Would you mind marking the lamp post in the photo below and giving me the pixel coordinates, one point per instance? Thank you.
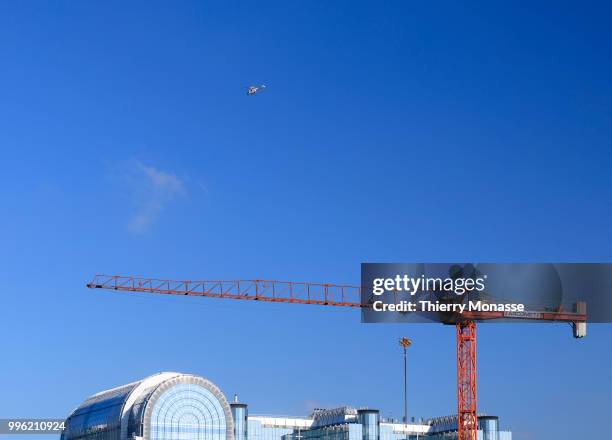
(405, 343)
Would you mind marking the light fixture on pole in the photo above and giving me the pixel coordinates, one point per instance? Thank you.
(405, 343)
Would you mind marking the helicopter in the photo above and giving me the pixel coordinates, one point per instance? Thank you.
(251, 90)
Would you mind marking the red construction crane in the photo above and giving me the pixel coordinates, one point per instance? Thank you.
(346, 296)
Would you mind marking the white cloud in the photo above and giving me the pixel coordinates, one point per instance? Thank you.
(152, 190)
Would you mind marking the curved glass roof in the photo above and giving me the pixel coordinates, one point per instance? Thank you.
(182, 406)
(100, 413)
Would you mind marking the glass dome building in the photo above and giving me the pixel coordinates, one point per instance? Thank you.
(163, 406)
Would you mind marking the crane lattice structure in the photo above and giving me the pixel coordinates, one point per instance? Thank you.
(345, 296)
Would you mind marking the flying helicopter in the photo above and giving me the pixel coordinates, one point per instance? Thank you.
(251, 90)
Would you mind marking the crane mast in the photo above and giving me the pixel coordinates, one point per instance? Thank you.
(467, 422)
(342, 296)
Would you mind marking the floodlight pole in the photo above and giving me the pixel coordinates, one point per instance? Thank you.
(405, 343)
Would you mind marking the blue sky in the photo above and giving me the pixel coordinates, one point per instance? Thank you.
(409, 132)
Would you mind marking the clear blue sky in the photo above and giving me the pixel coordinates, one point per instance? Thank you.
(406, 132)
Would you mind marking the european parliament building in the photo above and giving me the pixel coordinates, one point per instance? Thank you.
(175, 406)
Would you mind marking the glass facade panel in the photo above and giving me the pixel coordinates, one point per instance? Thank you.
(240, 415)
(370, 421)
(99, 417)
(187, 412)
(489, 427)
